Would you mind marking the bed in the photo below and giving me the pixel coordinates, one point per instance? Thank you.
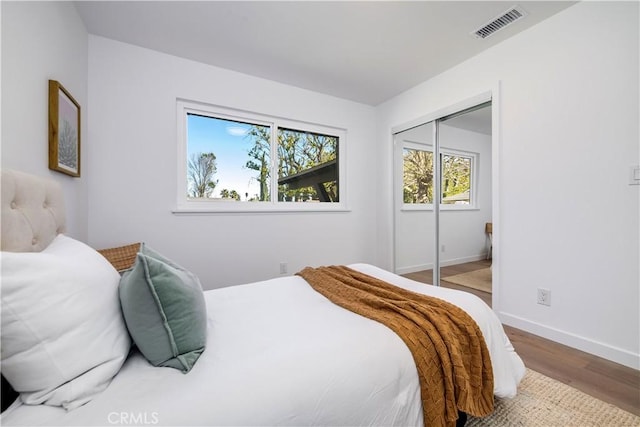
(277, 352)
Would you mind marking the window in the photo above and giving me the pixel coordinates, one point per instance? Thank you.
(456, 178)
(238, 161)
(417, 175)
(307, 166)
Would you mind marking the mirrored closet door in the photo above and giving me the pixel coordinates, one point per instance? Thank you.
(442, 206)
(414, 194)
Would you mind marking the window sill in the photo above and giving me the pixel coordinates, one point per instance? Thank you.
(443, 208)
(250, 208)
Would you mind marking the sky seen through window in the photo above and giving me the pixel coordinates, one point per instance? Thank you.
(228, 140)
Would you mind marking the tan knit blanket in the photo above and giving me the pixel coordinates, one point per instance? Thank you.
(448, 348)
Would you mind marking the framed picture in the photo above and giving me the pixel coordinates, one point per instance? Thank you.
(64, 131)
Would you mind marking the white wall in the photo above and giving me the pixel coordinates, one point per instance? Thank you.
(133, 166)
(42, 41)
(568, 220)
(461, 231)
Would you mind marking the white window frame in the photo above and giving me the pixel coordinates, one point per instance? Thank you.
(188, 205)
(473, 190)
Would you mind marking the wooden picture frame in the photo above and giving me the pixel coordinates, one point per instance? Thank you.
(64, 131)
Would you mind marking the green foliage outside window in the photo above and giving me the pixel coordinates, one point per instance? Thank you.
(417, 176)
(298, 151)
(307, 168)
(456, 179)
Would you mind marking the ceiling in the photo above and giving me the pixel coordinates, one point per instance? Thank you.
(365, 51)
(476, 121)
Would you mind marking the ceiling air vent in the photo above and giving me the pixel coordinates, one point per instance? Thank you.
(507, 18)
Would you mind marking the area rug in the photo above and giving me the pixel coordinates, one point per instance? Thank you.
(545, 402)
(477, 279)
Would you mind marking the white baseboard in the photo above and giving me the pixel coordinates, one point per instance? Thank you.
(606, 351)
(443, 263)
(454, 261)
(414, 268)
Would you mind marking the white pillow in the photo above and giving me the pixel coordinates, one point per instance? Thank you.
(63, 335)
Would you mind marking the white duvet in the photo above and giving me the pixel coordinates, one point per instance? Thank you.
(279, 353)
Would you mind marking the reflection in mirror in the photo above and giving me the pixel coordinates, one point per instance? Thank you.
(465, 145)
(414, 216)
(463, 249)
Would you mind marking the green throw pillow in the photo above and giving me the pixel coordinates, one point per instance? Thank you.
(164, 310)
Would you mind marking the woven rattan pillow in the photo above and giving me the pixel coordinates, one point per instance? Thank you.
(122, 257)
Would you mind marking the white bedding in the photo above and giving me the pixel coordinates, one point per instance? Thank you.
(279, 353)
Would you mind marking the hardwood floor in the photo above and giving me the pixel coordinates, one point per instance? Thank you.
(605, 380)
(426, 276)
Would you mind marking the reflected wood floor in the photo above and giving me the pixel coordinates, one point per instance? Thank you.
(603, 379)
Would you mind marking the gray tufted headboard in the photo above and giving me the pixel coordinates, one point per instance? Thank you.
(32, 212)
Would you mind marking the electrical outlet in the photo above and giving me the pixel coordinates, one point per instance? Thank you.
(634, 175)
(283, 268)
(544, 296)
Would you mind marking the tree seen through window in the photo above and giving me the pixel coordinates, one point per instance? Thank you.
(306, 169)
(417, 177)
